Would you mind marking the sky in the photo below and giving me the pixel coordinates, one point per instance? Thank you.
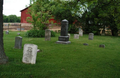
(13, 7)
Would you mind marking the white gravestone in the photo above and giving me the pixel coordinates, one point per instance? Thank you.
(69, 35)
(91, 36)
(76, 36)
(47, 35)
(29, 53)
(80, 32)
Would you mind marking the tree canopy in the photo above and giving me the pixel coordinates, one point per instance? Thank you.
(103, 14)
(11, 18)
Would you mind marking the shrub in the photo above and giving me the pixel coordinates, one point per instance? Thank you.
(52, 34)
(72, 29)
(37, 33)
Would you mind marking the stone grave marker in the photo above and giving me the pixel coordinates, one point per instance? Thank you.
(18, 42)
(68, 35)
(29, 53)
(80, 32)
(47, 35)
(86, 44)
(91, 36)
(7, 32)
(76, 36)
(102, 45)
(64, 38)
(18, 33)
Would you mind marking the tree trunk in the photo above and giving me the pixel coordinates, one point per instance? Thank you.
(3, 57)
(114, 32)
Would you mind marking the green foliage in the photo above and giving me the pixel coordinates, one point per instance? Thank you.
(41, 13)
(72, 29)
(103, 14)
(37, 33)
(11, 18)
(53, 34)
(63, 12)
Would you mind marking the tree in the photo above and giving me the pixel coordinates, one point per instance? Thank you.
(41, 13)
(42, 10)
(71, 10)
(11, 18)
(103, 14)
(3, 57)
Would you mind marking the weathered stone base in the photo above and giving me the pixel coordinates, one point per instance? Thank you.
(90, 38)
(63, 42)
(63, 38)
(3, 60)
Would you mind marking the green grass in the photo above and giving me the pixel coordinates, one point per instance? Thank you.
(64, 61)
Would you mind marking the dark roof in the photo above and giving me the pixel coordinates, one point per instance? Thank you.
(25, 8)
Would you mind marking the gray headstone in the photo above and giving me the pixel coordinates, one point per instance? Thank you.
(76, 36)
(85, 44)
(80, 32)
(18, 33)
(18, 42)
(47, 35)
(64, 38)
(29, 53)
(91, 36)
(7, 32)
(102, 46)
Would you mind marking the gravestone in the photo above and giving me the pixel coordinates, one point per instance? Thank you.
(47, 35)
(18, 33)
(86, 44)
(18, 42)
(64, 38)
(102, 45)
(80, 32)
(91, 36)
(69, 35)
(7, 32)
(29, 53)
(76, 36)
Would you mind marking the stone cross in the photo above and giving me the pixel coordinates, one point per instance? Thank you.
(91, 36)
(47, 35)
(64, 38)
(29, 53)
(76, 36)
(18, 42)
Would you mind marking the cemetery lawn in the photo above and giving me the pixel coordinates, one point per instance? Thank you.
(73, 60)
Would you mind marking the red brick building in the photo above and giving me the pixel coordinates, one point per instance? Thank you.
(24, 15)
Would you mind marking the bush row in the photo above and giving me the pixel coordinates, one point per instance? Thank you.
(38, 33)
